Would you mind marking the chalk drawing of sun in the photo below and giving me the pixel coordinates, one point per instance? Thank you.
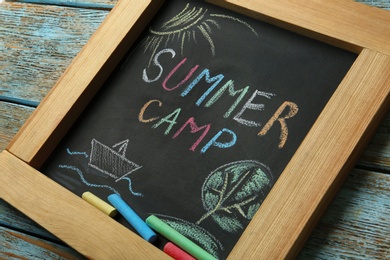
(187, 26)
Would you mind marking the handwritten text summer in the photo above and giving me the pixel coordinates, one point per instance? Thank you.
(216, 88)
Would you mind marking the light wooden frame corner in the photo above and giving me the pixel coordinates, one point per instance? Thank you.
(305, 187)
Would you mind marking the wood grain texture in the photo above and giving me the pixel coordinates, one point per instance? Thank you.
(12, 117)
(357, 223)
(12, 218)
(384, 4)
(17, 69)
(76, 3)
(17, 245)
(37, 44)
(377, 154)
(345, 24)
(320, 164)
(33, 60)
(81, 80)
(342, 232)
(70, 218)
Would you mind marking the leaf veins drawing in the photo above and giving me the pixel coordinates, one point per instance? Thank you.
(187, 26)
(232, 192)
(231, 196)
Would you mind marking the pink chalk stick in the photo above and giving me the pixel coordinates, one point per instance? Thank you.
(176, 252)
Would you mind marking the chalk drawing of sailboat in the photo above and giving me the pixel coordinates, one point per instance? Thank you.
(111, 162)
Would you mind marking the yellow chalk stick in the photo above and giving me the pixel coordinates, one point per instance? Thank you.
(99, 204)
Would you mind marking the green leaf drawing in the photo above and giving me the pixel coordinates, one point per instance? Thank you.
(195, 233)
(232, 194)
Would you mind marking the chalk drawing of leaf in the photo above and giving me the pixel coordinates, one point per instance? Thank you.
(233, 193)
(195, 233)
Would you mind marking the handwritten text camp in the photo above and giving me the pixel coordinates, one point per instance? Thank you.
(285, 111)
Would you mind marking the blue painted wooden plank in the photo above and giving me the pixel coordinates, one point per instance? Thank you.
(353, 226)
(107, 4)
(385, 4)
(16, 245)
(357, 223)
(37, 44)
(19, 101)
(44, 38)
(13, 219)
(377, 154)
(12, 117)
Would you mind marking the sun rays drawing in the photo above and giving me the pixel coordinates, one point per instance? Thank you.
(188, 25)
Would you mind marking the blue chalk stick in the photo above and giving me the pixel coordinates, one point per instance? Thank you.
(135, 221)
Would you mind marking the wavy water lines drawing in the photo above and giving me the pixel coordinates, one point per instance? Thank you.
(82, 178)
(188, 25)
(138, 194)
(76, 153)
(108, 161)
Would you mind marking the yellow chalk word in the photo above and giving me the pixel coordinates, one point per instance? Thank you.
(99, 204)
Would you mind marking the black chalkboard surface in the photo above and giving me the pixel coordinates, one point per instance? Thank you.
(200, 119)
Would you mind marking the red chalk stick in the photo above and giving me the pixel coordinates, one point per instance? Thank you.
(176, 252)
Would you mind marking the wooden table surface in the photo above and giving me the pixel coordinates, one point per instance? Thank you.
(39, 39)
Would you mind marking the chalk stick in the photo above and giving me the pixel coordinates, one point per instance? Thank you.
(177, 238)
(176, 252)
(135, 221)
(99, 204)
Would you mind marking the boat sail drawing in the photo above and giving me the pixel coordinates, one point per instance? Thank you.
(111, 162)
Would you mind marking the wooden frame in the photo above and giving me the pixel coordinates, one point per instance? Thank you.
(300, 195)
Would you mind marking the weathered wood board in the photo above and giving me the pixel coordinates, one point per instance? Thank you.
(19, 79)
(18, 245)
(12, 118)
(47, 40)
(385, 4)
(76, 3)
(12, 218)
(377, 154)
(110, 3)
(355, 225)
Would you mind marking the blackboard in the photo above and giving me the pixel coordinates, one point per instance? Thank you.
(165, 133)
